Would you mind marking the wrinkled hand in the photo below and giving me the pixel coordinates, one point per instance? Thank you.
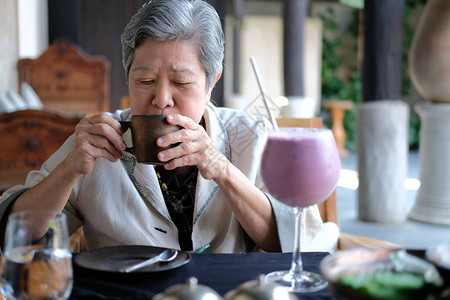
(95, 136)
(195, 149)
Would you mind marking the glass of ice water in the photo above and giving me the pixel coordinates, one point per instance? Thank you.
(37, 263)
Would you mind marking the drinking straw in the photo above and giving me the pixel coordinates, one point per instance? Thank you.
(263, 93)
(201, 249)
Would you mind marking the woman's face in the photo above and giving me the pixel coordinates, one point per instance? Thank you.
(167, 78)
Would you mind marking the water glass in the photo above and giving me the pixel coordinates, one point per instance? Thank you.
(37, 260)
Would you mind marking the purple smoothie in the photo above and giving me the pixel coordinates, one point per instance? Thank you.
(300, 166)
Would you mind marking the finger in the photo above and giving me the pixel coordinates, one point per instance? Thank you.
(187, 160)
(183, 149)
(211, 166)
(190, 131)
(90, 152)
(98, 142)
(103, 130)
(111, 156)
(200, 153)
(183, 121)
(106, 119)
(181, 136)
(105, 145)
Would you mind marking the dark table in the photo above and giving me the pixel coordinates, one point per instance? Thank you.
(221, 272)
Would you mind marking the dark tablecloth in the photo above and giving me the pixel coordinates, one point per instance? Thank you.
(221, 272)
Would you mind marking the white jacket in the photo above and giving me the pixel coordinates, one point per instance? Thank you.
(121, 203)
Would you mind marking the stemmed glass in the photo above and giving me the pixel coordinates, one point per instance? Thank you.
(300, 167)
(37, 260)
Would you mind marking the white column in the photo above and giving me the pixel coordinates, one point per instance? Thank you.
(433, 197)
(262, 38)
(382, 134)
(33, 27)
(8, 45)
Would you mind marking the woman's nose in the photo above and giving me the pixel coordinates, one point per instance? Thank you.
(162, 97)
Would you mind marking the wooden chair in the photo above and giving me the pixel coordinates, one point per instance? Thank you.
(77, 241)
(29, 137)
(328, 208)
(124, 102)
(67, 79)
(337, 109)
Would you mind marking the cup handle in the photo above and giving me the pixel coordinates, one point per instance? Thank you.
(126, 126)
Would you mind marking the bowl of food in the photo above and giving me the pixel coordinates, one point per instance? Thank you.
(364, 273)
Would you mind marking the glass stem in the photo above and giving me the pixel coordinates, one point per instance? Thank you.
(297, 265)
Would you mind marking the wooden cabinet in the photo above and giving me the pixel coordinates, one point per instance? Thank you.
(27, 139)
(70, 84)
(67, 79)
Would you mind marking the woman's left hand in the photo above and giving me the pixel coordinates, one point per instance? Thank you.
(251, 207)
(195, 149)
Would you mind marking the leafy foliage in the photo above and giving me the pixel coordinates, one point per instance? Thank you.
(335, 86)
(408, 33)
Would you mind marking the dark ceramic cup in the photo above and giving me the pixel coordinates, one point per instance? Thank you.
(145, 130)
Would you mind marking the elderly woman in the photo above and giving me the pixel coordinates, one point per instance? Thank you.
(207, 193)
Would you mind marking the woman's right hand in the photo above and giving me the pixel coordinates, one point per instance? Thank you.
(96, 136)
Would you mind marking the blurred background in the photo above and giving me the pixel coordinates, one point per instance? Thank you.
(333, 47)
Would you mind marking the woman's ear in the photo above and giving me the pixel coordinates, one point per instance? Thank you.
(212, 86)
(218, 77)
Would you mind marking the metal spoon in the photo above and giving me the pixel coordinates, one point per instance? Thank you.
(165, 256)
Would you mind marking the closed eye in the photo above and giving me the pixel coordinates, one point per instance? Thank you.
(146, 82)
(181, 83)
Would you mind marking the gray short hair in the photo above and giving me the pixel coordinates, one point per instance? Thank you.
(166, 20)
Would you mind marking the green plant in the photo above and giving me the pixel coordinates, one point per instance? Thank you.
(350, 87)
(408, 34)
(333, 86)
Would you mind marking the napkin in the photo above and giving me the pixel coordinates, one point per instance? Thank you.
(326, 240)
(5, 104)
(11, 101)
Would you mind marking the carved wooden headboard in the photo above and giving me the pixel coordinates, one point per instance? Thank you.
(67, 79)
(28, 138)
